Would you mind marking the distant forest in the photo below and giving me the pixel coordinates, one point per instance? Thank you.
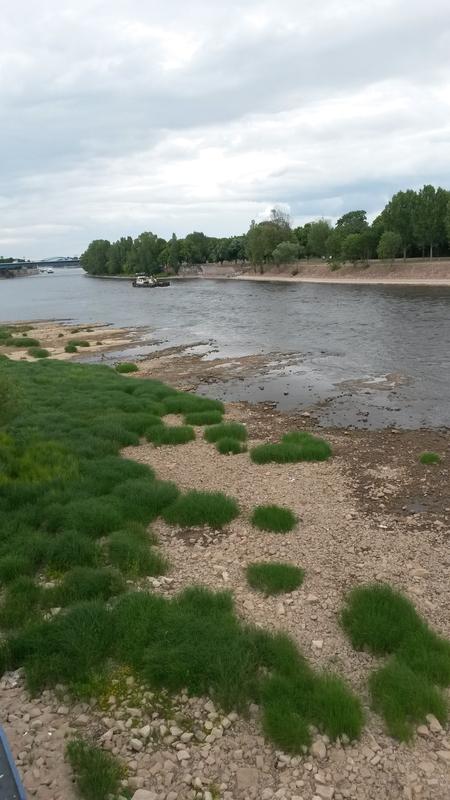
(412, 224)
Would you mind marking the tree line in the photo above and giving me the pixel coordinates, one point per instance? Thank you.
(413, 223)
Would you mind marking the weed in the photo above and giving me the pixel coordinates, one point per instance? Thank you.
(97, 773)
(274, 519)
(430, 458)
(177, 434)
(226, 430)
(202, 508)
(274, 578)
(38, 352)
(126, 366)
(203, 417)
(230, 446)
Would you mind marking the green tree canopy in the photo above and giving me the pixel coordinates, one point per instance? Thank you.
(317, 237)
(389, 245)
(285, 252)
(95, 259)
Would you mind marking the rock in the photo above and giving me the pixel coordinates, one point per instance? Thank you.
(317, 644)
(324, 792)
(422, 730)
(183, 755)
(434, 724)
(246, 777)
(318, 750)
(144, 794)
(136, 744)
(312, 598)
(444, 755)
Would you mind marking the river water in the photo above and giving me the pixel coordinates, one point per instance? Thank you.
(370, 356)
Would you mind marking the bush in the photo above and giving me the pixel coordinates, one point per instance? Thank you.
(177, 434)
(274, 519)
(80, 342)
(22, 341)
(296, 446)
(230, 446)
(71, 348)
(97, 774)
(202, 508)
(203, 417)
(86, 583)
(430, 458)
(134, 556)
(38, 352)
(126, 366)
(274, 578)
(226, 430)
(404, 698)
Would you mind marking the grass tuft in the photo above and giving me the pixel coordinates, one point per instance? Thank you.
(274, 519)
(226, 430)
(133, 555)
(71, 348)
(274, 578)
(229, 446)
(176, 434)
(202, 508)
(430, 458)
(184, 403)
(38, 352)
(97, 774)
(80, 342)
(86, 583)
(22, 341)
(126, 366)
(296, 446)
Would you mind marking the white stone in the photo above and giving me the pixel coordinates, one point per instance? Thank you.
(246, 777)
(183, 755)
(144, 794)
(325, 792)
(317, 644)
(444, 755)
(434, 724)
(136, 744)
(318, 749)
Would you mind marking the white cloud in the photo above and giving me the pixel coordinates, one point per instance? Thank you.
(124, 116)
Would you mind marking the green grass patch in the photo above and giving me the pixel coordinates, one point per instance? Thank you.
(294, 447)
(97, 773)
(71, 348)
(385, 622)
(229, 447)
(226, 430)
(145, 500)
(202, 508)
(404, 698)
(20, 603)
(38, 352)
(126, 366)
(184, 403)
(133, 554)
(80, 342)
(163, 434)
(430, 458)
(203, 417)
(274, 578)
(274, 518)
(22, 341)
(85, 583)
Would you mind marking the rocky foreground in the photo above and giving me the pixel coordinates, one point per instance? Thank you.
(186, 749)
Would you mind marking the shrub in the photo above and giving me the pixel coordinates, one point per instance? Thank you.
(203, 417)
(71, 348)
(133, 556)
(274, 578)
(80, 342)
(296, 446)
(274, 519)
(404, 698)
(38, 352)
(230, 446)
(177, 434)
(126, 366)
(430, 458)
(86, 583)
(226, 430)
(22, 341)
(202, 508)
(97, 774)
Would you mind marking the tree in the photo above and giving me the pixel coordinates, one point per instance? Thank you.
(429, 218)
(317, 236)
(352, 222)
(285, 252)
(389, 245)
(399, 215)
(146, 254)
(173, 254)
(196, 248)
(353, 247)
(95, 258)
(263, 238)
(118, 254)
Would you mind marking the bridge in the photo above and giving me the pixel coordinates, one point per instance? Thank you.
(55, 263)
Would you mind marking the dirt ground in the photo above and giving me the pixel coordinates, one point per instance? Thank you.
(54, 336)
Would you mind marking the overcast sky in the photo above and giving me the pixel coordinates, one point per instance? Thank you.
(130, 115)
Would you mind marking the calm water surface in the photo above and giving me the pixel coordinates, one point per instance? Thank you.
(373, 356)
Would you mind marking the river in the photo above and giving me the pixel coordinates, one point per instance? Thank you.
(370, 356)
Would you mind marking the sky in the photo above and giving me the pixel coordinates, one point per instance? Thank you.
(130, 115)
